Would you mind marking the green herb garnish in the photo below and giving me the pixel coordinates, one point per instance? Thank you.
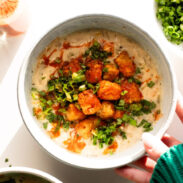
(138, 71)
(146, 125)
(124, 92)
(45, 125)
(150, 84)
(96, 52)
(105, 69)
(122, 133)
(147, 106)
(57, 60)
(170, 14)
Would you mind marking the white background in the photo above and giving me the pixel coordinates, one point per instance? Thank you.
(16, 143)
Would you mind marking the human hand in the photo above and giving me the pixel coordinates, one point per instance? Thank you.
(154, 147)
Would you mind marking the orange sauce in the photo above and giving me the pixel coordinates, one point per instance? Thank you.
(111, 149)
(75, 144)
(54, 132)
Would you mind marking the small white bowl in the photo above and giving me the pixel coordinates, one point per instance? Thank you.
(176, 49)
(101, 22)
(13, 171)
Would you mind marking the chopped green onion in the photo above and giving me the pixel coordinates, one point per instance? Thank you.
(45, 125)
(57, 60)
(150, 84)
(138, 71)
(82, 88)
(124, 92)
(105, 69)
(78, 77)
(75, 97)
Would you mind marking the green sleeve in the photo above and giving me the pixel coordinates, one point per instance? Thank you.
(169, 167)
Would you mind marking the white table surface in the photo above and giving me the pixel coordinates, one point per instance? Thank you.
(16, 143)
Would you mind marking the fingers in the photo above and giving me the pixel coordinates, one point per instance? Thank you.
(169, 140)
(179, 107)
(145, 163)
(134, 174)
(153, 146)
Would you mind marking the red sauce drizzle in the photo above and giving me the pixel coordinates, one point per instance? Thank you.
(47, 58)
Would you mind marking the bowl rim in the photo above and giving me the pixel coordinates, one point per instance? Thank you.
(31, 171)
(83, 164)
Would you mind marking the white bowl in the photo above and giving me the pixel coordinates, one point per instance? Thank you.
(176, 49)
(114, 24)
(13, 171)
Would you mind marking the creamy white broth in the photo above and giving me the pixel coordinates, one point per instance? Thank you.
(141, 59)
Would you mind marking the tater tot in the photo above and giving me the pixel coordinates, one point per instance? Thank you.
(94, 73)
(111, 73)
(125, 64)
(73, 113)
(72, 66)
(118, 114)
(107, 110)
(133, 94)
(89, 102)
(109, 90)
(84, 128)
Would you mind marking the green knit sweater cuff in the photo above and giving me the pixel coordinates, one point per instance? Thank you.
(169, 167)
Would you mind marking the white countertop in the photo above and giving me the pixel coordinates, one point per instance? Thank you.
(15, 141)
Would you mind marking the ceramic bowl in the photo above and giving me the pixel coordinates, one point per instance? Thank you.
(23, 172)
(97, 21)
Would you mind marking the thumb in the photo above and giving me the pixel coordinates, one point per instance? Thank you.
(153, 146)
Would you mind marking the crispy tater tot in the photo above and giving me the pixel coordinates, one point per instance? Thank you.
(118, 114)
(94, 73)
(109, 90)
(111, 72)
(107, 110)
(73, 113)
(125, 64)
(84, 128)
(89, 102)
(133, 94)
